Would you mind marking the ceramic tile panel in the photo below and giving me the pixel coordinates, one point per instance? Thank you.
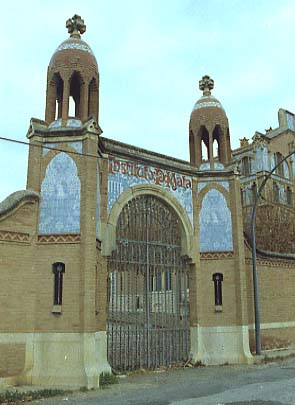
(81, 46)
(208, 104)
(75, 145)
(215, 223)
(206, 166)
(202, 184)
(125, 174)
(60, 197)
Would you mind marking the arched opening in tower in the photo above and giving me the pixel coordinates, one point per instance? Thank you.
(59, 87)
(75, 95)
(204, 135)
(217, 143)
(215, 149)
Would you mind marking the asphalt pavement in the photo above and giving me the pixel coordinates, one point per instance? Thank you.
(264, 384)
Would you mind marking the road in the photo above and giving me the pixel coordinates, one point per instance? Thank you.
(266, 384)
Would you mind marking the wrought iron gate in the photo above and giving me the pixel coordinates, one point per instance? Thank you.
(148, 292)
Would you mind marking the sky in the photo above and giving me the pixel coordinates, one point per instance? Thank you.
(151, 55)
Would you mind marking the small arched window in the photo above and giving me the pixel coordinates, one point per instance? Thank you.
(58, 270)
(217, 278)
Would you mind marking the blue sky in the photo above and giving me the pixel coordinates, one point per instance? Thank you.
(151, 56)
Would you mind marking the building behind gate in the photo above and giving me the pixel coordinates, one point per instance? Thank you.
(116, 257)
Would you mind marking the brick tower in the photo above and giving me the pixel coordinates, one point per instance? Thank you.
(208, 123)
(63, 168)
(72, 72)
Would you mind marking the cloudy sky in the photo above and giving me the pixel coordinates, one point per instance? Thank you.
(151, 55)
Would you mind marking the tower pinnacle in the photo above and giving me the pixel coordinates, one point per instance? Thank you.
(206, 84)
(76, 26)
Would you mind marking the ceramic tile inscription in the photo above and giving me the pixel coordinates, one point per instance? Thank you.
(124, 174)
(60, 197)
(215, 223)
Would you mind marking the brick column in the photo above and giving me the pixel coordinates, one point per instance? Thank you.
(65, 101)
(50, 101)
(84, 101)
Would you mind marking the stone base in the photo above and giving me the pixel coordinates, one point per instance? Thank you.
(220, 345)
(63, 359)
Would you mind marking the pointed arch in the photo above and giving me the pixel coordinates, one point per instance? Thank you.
(76, 82)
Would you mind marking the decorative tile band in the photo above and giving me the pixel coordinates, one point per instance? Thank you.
(9, 236)
(216, 255)
(206, 166)
(208, 104)
(81, 47)
(66, 238)
(271, 263)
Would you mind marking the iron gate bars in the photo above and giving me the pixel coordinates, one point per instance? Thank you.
(148, 291)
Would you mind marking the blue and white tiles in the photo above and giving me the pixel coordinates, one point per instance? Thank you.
(60, 197)
(215, 223)
(124, 174)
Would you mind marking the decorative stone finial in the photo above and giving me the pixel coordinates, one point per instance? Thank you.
(206, 84)
(74, 25)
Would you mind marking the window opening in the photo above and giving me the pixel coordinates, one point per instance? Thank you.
(72, 107)
(168, 284)
(204, 151)
(217, 279)
(215, 149)
(58, 270)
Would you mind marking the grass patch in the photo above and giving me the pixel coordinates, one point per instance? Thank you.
(18, 396)
(107, 379)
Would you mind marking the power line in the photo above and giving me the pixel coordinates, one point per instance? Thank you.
(48, 147)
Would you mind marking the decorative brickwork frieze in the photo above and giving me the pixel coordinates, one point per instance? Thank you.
(272, 263)
(65, 238)
(9, 236)
(216, 255)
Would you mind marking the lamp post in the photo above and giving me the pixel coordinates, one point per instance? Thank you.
(253, 238)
